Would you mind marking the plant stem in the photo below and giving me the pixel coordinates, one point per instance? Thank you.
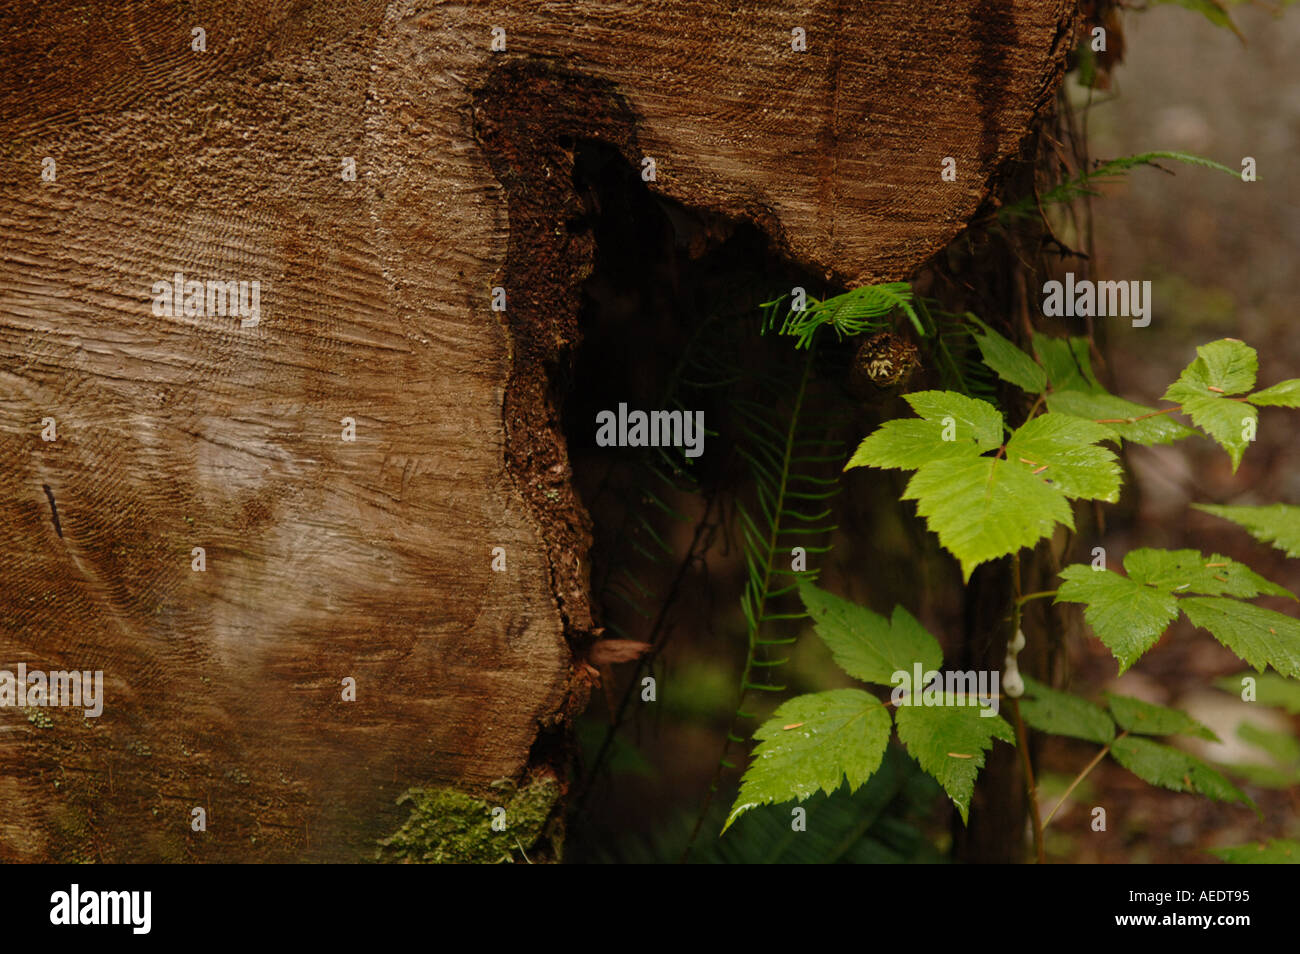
(1080, 777)
(1022, 737)
(1022, 743)
(1140, 417)
(1022, 600)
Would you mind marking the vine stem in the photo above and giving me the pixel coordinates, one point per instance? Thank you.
(1153, 413)
(1082, 775)
(1022, 600)
(1140, 417)
(1022, 743)
(1143, 417)
(1022, 737)
(658, 637)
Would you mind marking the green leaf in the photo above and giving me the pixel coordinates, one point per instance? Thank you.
(986, 507)
(1173, 769)
(908, 444)
(1086, 182)
(1282, 767)
(1228, 364)
(1212, 10)
(1278, 524)
(1126, 616)
(1060, 713)
(833, 736)
(1282, 394)
(1067, 448)
(1282, 747)
(949, 741)
(1260, 636)
(1277, 851)
(1190, 571)
(1227, 421)
(1222, 368)
(1068, 365)
(1009, 362)
(976, 420)
(866, 645)
(1270, 689)
(1146, 718)
(1119, 415)
(983, 508)
(972, 426)
(856, 311)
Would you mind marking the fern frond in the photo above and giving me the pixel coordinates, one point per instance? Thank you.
(852, 313)
(1084, 184)
(784, 452)
(954, 353)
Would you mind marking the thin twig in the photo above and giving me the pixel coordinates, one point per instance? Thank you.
(1080, 777)
(1022, 743)
(1022, 600)
(1022, 737)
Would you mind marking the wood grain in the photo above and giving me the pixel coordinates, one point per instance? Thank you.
(371, 559)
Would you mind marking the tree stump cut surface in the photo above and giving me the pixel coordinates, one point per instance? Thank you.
(371, 559)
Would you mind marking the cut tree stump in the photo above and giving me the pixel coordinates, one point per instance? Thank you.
(129, 154)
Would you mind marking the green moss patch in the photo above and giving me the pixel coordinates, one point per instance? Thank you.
(450, 827)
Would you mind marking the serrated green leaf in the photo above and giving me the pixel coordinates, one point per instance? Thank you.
(1282, 394)
(975, 420)
(1222, 369)
(976, 426)
(1060, 713)
(1227, 364)
(1270, 689)
(907, 444)
(1009, 362)
(1065, 449)
(865, 644)
(949, 742)
(1278, 525)
(1190, 571)
(1277, 851)
(1126, 616)
(1227, 421)
(983, 508)
(831, 736)
(1173, 769)
(986, 507)
(1260, 636)
(1147, 718)
(1067, 362)
(1118, 415)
